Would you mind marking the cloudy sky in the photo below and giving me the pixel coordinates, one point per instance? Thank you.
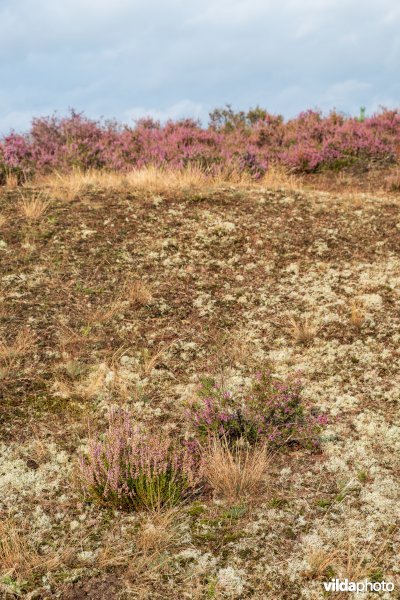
(176, 58)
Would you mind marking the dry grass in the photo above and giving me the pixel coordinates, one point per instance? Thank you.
(141, 546)
(355, 563)
(157, 180)
(67, 187)
(392, 181)
(12, 352)
(157, 530)
(106, 313)
(87, 388)
(134, 294)
(73, 342)
(137, 293)
(302, 330)
(148, 360)
(150, 179)
(347, 559)
(18, 558)
(319, 560)
(15, 554)
(33, 208)
(357, 313)
(78, 380)
(3, 310)
(11, 181)
(3, 220)
(237, 346)
(277, 177)
(235, 474)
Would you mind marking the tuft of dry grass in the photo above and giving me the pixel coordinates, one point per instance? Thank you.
(357, 313)
(157, 530)
(302, 330)
(134, 293)
(319, 560)
(235, 474)
(106, 313)
(278, 177)
(86, 388)
(67, 187)
(12, 352)
(3, 310)
(3, 220)
(355, 563)
(148, 360)
(137, 293)
(11, 181)
(238, 346)
(33, 208)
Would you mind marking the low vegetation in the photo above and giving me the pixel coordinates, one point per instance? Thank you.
(234, 142)
(199, 366)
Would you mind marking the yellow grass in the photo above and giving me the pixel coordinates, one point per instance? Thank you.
(357, 313)
(147, 179)
(137, 293)
(153, 180)
(12, 352)
(348, 559)
(87, 388)
(278, 177)
(133, 293)
(33, 208)
(11, 181)
(15, 554)
(103, 314)
(3, 310)
(319, 560)
(302, 329)
(18, 558)
(235, 474)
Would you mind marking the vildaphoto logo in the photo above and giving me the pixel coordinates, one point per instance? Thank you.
(344, 585)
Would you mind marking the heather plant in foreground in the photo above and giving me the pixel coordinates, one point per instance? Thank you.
(132, 469)
(271, 411)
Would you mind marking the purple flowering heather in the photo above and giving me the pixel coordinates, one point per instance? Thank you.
(249, 143)
(131, 469)
(272, 410)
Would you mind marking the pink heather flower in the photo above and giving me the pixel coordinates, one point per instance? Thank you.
(127, 457)
(304, 143)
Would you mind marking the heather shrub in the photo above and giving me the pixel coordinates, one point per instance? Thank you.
(132, 469)
(270, 411)
(246, 142)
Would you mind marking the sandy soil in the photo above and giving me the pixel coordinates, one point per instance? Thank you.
(226, 269)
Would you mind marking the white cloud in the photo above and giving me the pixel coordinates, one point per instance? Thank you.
(17, 119)
(179, 110)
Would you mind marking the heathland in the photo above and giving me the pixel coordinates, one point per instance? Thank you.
(199, 357)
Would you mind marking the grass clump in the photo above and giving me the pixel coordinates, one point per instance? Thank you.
(235, 474)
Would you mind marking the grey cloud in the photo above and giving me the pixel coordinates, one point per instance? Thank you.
(124, 58)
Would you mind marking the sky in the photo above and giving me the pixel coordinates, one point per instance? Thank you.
(126, 59)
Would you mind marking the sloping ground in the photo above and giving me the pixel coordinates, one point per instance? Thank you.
(226, 270)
